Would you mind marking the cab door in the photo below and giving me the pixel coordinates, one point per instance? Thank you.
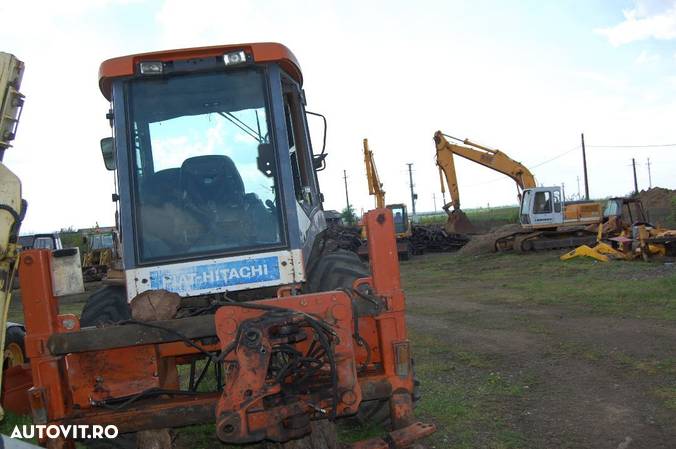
(546, 206)
(308, 201)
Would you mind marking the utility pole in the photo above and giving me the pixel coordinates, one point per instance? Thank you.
(650, 178)
(584, 164)
(347, 198)
(413, 195)
(434, 199)
(633, 164)
(578, 188)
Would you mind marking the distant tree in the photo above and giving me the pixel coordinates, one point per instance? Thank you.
(348, 216)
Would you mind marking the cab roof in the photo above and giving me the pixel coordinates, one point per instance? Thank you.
(261, 52)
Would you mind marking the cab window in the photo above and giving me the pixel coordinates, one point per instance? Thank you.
(542, 203)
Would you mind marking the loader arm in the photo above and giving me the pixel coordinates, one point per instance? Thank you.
(375, 186)
(493, 159)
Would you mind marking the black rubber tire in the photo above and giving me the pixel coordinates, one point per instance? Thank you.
(107, 305)
(16, 335)
(335, 270)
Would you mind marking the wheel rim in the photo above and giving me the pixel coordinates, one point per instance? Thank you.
(13, 355)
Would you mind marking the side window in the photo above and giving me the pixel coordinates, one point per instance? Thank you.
(299, 152)
(542, 203)
(557, 201)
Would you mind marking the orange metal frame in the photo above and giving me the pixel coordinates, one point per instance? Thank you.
(66, 388)
(261, 53)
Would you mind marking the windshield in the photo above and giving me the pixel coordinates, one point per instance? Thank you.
(101, 241)
(203, 165)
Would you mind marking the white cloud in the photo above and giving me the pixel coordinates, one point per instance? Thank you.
(647, 57)
(656, 20)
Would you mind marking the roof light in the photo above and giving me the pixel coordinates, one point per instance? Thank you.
(151, 67)
(234, 58)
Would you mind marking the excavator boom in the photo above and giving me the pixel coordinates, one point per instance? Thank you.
(375, 186)
(493, 159)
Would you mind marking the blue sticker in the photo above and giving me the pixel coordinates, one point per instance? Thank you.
(216, 275)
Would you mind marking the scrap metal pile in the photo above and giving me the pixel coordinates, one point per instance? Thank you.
(424, 238)
(434, 238)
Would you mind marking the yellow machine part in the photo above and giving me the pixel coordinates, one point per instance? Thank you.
(601, 252)
(585, 251)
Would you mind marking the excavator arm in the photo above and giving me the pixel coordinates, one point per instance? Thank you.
(375, 186)
(493, 159)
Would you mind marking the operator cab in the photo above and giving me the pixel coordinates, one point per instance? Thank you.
(541, 206)
(217, 183)
(400, 217)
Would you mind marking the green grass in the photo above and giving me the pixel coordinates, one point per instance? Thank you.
(629, 289)
(667, 395)
(464, 395)
(493, 215)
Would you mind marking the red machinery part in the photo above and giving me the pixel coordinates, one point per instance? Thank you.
(371, 361)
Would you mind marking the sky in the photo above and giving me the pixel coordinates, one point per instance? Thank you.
(527, 77)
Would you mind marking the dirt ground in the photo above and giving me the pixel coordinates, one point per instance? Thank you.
(505, 365)
(525, 351)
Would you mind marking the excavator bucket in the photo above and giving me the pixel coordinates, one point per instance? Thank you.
(458, 223)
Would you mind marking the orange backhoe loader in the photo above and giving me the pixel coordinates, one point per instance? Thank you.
(228, 273)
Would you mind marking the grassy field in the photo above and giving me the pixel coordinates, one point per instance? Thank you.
(483, 219)
(526, 351)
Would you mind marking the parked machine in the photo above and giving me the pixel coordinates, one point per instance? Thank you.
(227, 270)
(547, 221)
(102, 251)
(402, 224)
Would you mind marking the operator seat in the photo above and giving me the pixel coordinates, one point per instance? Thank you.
(162, 187)
(212, 181)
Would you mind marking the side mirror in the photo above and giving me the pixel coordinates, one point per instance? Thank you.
(108, 152)
(318, 160)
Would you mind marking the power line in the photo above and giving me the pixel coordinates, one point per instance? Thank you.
(532, 166)
(556, 157)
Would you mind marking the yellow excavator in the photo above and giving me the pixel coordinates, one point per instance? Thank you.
(547, 221)
(402, 224)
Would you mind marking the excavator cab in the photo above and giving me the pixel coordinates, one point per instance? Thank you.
(216, 173)
(542, 206)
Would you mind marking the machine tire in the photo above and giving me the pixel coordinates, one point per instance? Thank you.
(108, 305)
(15, 348)
(335, 270)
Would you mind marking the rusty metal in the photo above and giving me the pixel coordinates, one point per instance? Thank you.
(124, 375)
(398, 439)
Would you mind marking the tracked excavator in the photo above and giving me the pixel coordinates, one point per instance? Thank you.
(547, 221)
(402, 224)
